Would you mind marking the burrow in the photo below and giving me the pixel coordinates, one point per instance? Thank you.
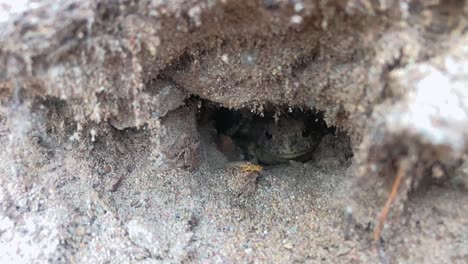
(278, 135)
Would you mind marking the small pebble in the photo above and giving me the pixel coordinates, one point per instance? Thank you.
(287, 245)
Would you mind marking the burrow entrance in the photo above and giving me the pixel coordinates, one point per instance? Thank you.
(276, 135)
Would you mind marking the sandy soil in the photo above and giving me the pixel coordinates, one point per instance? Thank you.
(108, 153)
(111, 201)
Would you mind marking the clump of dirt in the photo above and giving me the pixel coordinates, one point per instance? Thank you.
(122, 125)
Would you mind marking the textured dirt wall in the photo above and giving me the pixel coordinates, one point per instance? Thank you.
(331, 55)
(80, 76)
(131, 62)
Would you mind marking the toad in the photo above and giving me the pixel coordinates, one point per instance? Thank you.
(270, 142)
(285, 140)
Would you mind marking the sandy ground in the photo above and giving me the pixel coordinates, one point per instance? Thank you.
(288, 213)
(106, 155)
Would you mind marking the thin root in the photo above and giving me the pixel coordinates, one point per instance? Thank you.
(391, 198)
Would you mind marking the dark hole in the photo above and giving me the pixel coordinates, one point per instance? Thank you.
(358, 226)
(265, 138)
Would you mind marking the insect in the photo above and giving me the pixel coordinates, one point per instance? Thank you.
(244, 166)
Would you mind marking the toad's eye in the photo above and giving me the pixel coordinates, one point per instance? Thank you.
(268, 135)
(306, 132)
